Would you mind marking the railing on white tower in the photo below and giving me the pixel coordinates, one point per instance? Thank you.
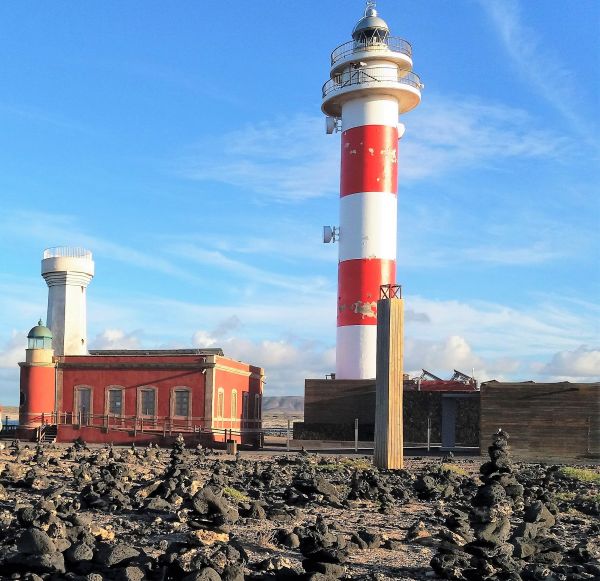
(371, 76)
(67, 252)
(391, 43)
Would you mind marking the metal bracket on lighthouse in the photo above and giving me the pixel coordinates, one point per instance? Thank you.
(330, 234)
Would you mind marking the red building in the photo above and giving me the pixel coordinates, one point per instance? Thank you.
(123, 396)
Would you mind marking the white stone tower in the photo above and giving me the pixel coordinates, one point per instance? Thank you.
(67, 272)
(371, 84)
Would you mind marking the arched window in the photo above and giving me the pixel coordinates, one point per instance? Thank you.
(234, 404)
(221, 403)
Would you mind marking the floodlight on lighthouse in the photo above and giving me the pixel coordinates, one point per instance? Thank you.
(401, 130)
(330, 234)
(331, 125)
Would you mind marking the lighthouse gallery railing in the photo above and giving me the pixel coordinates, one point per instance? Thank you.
(369, 76)
(392, 43)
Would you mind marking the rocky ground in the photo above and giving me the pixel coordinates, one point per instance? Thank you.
(127, 514)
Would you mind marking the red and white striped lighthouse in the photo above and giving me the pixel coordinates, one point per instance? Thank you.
(371, 84)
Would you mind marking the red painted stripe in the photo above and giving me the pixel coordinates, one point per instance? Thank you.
(369, 160)
(358, 289)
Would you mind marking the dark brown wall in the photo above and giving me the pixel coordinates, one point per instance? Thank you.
(330, 407)
(543, 420)
(339, 401)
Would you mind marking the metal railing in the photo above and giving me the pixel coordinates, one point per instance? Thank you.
(391, 43)
(390, 291)
(369, 76)
(67, 252)
(164, 424)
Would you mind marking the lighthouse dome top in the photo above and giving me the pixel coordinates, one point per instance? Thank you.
(370, 25)
(40, 332)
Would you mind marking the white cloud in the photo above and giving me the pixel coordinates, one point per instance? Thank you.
(582, 364)
(287, 361)
(13, 349)
(443, 356)
(498, 330)
(117, 339)
(11, 352)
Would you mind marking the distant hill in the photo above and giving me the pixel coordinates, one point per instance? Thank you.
(11, 411)
(283, 404)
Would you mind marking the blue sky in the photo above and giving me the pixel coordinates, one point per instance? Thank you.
(183, 143)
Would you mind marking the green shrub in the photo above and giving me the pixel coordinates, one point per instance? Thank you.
(458, 470)
(235, 494)
(581, 474)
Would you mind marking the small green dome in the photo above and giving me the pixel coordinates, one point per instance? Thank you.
(40, 332)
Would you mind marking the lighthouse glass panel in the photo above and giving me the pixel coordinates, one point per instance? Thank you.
(115, 402)
(182, 402)
(148, 402)
(39, 343)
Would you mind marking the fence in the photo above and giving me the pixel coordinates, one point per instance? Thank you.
(164, 425)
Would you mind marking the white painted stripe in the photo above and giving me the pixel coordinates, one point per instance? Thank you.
(370, 110)
(368, 226)
(356, 352)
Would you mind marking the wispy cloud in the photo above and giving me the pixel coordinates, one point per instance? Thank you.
(539, 65)
(293, 160)
(64, 230)
(43, 117)
(446, 134)
(246, 271)
(286, 160)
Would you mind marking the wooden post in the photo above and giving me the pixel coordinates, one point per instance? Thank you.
(389, 384)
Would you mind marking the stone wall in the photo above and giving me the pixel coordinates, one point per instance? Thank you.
(331, 406)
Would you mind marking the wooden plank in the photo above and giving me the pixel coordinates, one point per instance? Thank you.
(389, 385)
(544, 420)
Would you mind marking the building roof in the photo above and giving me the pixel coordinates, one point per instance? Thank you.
(40, 332)
(157, 352)
(543, 384)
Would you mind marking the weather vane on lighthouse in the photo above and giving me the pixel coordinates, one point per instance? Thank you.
(371, 84)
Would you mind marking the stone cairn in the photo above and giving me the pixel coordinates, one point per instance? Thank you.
(475, 544)
(480, 543)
